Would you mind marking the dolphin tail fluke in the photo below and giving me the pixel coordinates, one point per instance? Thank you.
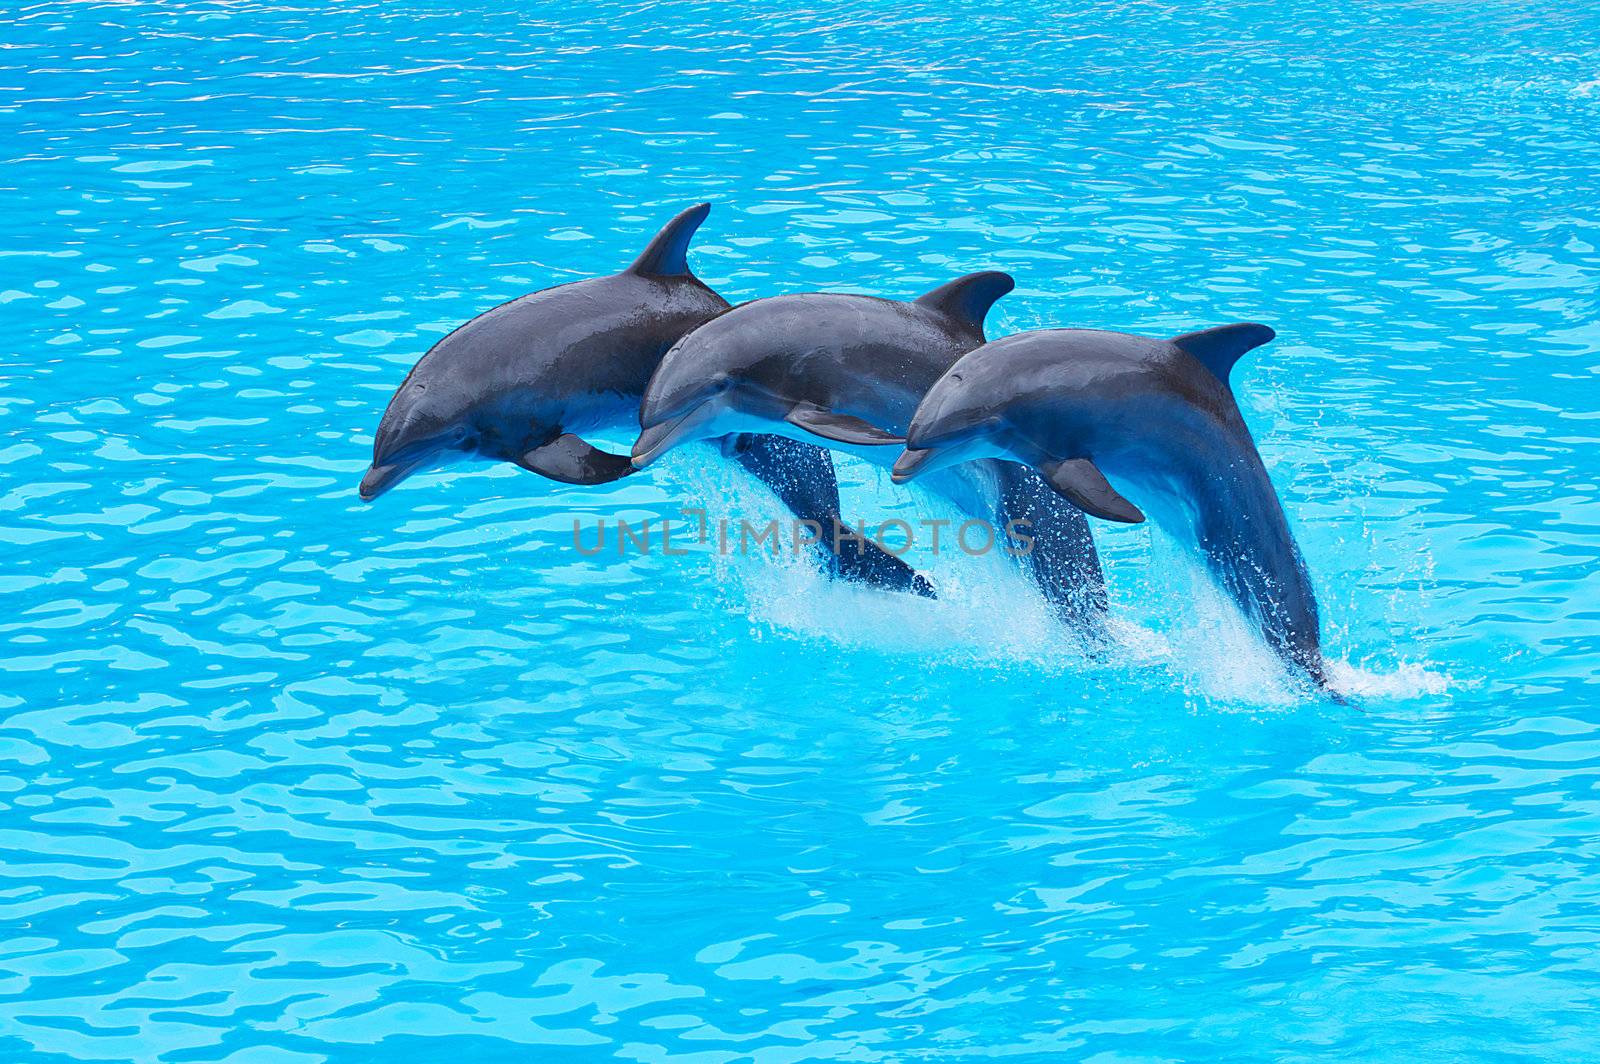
(840, 428)
(802, 476)
(1082, 483)
(858, 558)
(570, 460)
(969, 298)
(1219, 348)
(667, 255)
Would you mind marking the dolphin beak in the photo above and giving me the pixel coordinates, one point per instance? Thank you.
(380, 478)
(658, 439)
(911, 462)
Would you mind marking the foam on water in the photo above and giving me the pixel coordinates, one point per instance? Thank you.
(1169, 623)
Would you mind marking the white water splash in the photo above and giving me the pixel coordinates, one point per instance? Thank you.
(1399, 683)
(1169, 621)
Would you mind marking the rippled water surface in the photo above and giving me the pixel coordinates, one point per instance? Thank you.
(290, 778)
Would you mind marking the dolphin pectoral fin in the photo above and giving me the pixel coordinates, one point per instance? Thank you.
(572, 461)
(1082, 483)
(841, 428)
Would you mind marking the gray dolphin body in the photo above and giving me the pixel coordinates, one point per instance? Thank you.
(519, 382)
(522, 381)
(1157, 415)
(849, 370)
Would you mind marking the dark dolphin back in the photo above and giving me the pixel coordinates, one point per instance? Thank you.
(859, 355)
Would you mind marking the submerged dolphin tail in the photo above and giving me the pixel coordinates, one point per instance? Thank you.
(969, 298)
(667, 254)
(1219, 348)
(802, 476)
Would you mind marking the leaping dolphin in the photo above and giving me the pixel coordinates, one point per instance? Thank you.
(1157, 415)
(520, 383)
(849, 370)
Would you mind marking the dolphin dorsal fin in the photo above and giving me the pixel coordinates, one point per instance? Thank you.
(969, 298)
(1219, 348)
(667, 254)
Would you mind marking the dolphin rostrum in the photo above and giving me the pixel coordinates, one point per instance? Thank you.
(849, 370)
(520, 383)
(1158, 416)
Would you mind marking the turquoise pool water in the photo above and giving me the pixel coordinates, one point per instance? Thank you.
(284, 777)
